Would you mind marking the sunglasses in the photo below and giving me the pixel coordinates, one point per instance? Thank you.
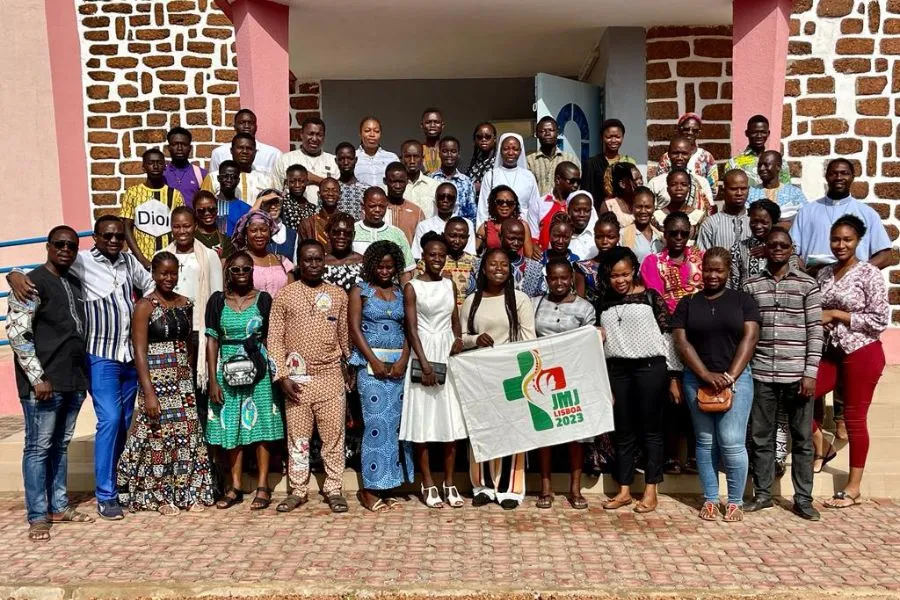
(484, 136)
(571, 180)
(110, 236)
(505, 202)
(206, 210)
(778, 245)
(678, 233)
(447, 195)
(68, 245)
(235, 270)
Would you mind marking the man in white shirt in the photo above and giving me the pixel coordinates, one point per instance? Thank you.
(420, 188)
(266, 155)
(700, 195)
(445, 206)
(319, 164)
(253, 181)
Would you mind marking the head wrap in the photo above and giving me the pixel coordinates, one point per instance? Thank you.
(498, 158)
(239, 238)
(688, 116)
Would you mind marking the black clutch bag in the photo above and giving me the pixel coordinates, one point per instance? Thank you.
(440, 372)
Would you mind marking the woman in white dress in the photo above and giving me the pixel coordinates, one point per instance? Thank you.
(431, 410)
(510, 169)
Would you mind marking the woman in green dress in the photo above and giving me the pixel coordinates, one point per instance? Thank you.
(246, 415)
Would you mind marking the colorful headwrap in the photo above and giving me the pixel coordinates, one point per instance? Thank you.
(688, 116)
(239, 238)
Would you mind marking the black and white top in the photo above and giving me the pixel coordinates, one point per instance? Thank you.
(637, 326)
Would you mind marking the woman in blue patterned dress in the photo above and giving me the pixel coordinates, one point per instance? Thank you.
(380, 355)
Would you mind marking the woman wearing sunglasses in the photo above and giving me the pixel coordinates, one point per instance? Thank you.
(240, 415)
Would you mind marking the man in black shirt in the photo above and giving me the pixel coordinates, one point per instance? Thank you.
(47, 335)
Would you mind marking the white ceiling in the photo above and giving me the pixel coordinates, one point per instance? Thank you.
(416, 39)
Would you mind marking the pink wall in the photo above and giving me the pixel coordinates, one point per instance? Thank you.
(263, 66)
(760, 38)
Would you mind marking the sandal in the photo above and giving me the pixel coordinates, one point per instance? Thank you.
(544, 501)
(613, 504)
(39, 531)
(393, 503)
(261, 503)
(733, 513)
(431, 497)
(643, 509)
(842, 495)
(168, 510)
(709, 512)
(578, 502)
(830, 455)
(70, 515)
(291, 502)
(196, 507)
(232, 496)
(378, 506)
(453, 497)
(337, 503)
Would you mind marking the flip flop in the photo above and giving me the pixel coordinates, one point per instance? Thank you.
(577, 502)
(829, 456)
(544, 501)
(842, 495)
(378, 506)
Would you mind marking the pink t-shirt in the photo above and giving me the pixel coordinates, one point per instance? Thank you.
(272, 279)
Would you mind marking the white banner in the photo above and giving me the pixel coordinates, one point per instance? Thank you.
(527, 395)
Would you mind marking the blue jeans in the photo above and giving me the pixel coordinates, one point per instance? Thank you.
(113, 388)
(722, 435)
(49, 427)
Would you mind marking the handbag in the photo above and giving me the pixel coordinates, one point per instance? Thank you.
(710, 401)
(245, 369)
(440, 372)
(388, 356)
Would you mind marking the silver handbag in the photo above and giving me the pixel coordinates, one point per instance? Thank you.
(239, 371)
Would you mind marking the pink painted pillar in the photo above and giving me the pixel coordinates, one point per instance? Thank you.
(761, 30)
(263, 56)
(65, 70)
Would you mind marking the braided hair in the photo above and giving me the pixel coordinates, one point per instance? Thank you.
(509, 296)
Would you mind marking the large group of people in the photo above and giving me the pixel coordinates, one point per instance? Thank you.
(298, 311)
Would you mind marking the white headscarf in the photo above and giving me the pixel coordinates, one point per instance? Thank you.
(498, 159)
(519, 178)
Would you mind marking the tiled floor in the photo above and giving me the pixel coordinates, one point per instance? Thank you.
(480, 550)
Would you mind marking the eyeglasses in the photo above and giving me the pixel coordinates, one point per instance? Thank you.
(110, 236)
(68, 245)
(236, 270)
(678, 233)
(779, 246)
(206, 209)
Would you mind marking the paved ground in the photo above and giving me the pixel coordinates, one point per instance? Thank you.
(480, 551)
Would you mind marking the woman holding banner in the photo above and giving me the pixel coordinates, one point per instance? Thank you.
(640, 359)
(497, 314)
(557, 311)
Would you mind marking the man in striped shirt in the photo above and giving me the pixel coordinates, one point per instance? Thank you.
(784, 366)
(110, 278)
(543, 163)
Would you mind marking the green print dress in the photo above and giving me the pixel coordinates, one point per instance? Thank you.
(248, 414)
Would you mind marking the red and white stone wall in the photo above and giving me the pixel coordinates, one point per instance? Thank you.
(842, 98)
(151, 65)
(689, 70)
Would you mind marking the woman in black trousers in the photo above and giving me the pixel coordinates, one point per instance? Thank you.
(643, 372)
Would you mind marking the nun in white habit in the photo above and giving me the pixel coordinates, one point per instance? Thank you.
(583, 218)
(509, 169)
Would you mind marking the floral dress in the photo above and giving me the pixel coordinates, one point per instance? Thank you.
(165, 460)
(386, 461)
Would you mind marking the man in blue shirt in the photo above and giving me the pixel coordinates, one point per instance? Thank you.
(812, 226)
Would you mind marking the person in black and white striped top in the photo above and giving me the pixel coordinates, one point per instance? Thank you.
(642, 366)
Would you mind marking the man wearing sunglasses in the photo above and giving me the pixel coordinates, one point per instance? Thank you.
(784, 366)
(566, 179)
(109, 278)
(47, 335)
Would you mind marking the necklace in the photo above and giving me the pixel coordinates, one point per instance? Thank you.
(240, 301)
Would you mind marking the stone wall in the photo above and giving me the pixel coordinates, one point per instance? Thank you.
(152, 65)
(689, 70)
(841, 99)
